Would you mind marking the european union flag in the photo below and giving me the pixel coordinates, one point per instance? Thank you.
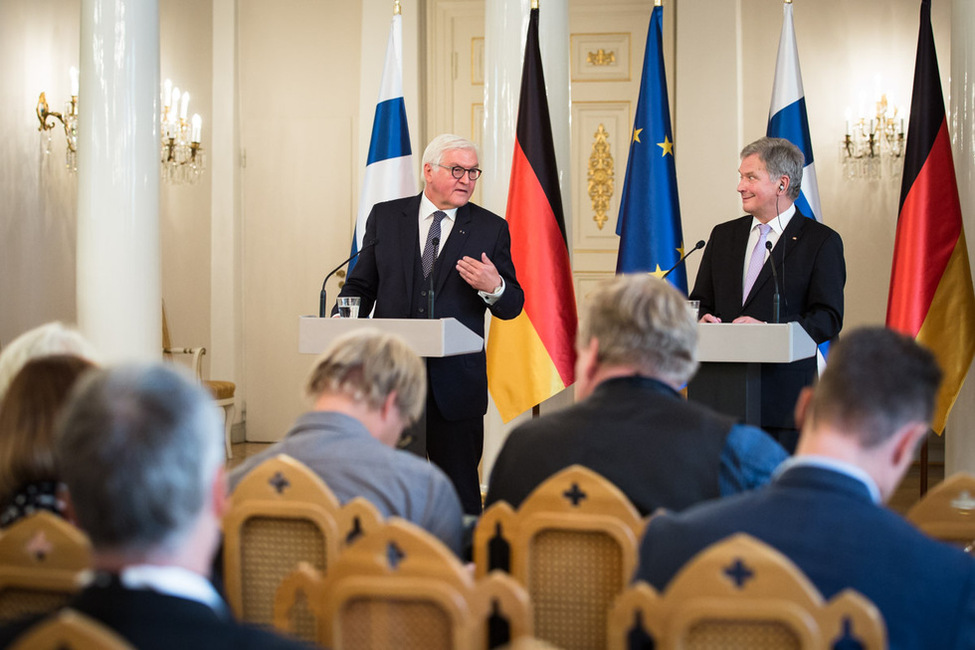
(651, 240)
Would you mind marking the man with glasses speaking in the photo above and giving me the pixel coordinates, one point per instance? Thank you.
(438, 241)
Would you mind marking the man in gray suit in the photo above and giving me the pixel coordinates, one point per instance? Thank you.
(365, 389)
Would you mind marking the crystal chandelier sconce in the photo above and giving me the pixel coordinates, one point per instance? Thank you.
(873, 146)
(68, 119)
(182, 156)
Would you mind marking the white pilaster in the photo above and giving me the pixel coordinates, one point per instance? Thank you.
(960, 430)
(226, 342)
(119, 274)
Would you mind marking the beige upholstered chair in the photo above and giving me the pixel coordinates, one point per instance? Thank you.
(222, 391)
(281, 514)
(400, 587)
(742, 594)
(573, 544)
(42, 558)
(70, 630)
(947, 512)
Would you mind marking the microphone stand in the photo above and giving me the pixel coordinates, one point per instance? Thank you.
(322, 299)
(699, 245)
(435, 242)
(776, 297)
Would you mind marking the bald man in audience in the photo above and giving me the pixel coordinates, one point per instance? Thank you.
(637, 346)
(141, 453)
(366, 388)
(824, 509)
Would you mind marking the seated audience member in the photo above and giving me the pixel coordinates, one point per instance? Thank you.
(365, 389)
(141, 451)
(637, 347)
(29, 480)
(824, 509)
(50, 338)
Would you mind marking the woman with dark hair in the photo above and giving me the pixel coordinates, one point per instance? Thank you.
(28, 474)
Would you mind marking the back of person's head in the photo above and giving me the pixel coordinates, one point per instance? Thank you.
(781, 158)
(139, 449)
(367, 366)
(34, 400)
(443, 143)
(47, 339)
(876, 381)
(644, 322)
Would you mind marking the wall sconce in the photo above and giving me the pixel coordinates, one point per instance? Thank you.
(68, 119)
(873, 147)
(181, 156)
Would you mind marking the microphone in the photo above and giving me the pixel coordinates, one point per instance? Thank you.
(322, 300)
(699, 245)
(776, 298)
(435, 242)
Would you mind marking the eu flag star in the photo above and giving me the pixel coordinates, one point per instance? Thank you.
(659, 273)
(667, 145)
(636, 135)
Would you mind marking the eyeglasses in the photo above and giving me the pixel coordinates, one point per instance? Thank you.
(458, 172)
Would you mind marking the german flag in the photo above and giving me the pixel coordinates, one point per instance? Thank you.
(532, 357)
(931, 296)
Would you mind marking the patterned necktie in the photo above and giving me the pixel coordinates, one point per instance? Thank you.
(757, 261)
(428, 249)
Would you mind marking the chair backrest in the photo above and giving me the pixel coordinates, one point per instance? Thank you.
(573, 544)
(281, 514)
(947, 511)
(70, 630)
(399, 586)
(742, 593)
(42, 557)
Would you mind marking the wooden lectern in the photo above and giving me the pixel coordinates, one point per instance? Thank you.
(731, 354)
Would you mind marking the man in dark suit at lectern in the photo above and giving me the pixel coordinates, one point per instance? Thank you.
(439, 239)
(735, 282)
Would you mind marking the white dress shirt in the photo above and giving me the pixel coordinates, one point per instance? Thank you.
(778, 225)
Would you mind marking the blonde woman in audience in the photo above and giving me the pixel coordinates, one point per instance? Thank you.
(50, 338)
(28, 474)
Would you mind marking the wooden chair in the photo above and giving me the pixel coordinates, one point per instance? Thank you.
(573, 544)
(70, 630)
(222, 391)
(947, 512)
(41, 560)
(400, 587)
(281, 514)
(741, 593)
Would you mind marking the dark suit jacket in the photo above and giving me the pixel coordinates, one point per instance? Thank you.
(639, 434)
(809, 260)
(384, 276)
(826, 523)
(150, 620)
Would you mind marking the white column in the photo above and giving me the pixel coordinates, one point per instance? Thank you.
(226, 342)
(960, 430)
(506, 26)
(118, 284)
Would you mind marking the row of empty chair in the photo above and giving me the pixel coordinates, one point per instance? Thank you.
(556, 569)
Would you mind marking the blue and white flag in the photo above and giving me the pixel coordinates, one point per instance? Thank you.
(787, 114)
(389, 166)
(651, 240)
(787, 119)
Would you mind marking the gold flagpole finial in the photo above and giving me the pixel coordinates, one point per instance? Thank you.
(397, 9)
(534, 4)
(788, 2)
(658, 3)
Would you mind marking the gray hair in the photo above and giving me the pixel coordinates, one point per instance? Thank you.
(443, 143)
(877, 380)
(645, 322)
(781, 158)
(368, 366)
(50, 338)
(139, 448)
